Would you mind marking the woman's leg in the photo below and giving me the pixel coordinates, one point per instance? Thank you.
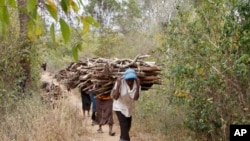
(83, 112)
(125, 124)
(98, 111)
(111, 133)
(93, 116)
(129, 123)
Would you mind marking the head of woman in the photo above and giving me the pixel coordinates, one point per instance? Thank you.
(130, 76)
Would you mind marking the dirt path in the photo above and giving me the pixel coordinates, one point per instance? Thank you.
(92, 130)
(94, 136)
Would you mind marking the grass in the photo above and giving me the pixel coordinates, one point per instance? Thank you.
(31, 120)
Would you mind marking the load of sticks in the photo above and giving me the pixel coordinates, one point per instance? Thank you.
(98, 75)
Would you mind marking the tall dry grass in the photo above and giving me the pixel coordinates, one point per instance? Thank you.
(31, 120)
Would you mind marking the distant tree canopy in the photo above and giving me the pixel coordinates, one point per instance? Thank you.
(118, 15)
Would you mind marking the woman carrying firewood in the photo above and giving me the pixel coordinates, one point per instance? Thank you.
(126, 90)
(104, 104)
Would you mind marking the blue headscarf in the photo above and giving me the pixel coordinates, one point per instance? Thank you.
(129, 74)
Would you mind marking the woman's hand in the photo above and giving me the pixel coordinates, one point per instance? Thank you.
(138, 81)
(119, 79)
(116, 92)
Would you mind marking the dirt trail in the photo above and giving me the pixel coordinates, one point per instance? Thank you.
(92, 130)
(94, 136)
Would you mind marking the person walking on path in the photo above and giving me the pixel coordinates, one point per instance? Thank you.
(93, 101)
(86, 103)
(125, 91)
(104, 112)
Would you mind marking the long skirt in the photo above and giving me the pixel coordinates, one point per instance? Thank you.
(104, 112)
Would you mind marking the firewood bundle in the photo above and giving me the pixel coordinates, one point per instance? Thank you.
(99, 74)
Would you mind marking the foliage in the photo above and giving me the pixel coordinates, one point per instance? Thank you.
(207, 53)
(156, 115)
(20, 43)
(11, 80)
(55, 12)
(129, 41)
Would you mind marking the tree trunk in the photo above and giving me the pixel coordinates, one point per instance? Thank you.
(25, 45)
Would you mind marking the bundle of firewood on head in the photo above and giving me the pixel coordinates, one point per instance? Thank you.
(98, 75)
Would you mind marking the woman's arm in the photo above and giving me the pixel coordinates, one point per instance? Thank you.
(138, 83)
(116, 91)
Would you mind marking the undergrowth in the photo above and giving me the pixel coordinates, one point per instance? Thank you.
(30, 120)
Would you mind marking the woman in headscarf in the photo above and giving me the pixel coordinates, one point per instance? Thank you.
(104, 105)
(125, 92)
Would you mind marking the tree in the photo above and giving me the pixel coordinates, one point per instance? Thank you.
(31, 15)
(24, 45)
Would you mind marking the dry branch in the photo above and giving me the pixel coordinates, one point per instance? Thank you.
(99, 74)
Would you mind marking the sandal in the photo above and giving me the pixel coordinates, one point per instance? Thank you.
(112, 133)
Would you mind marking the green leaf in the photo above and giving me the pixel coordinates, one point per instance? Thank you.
(87, 21)
(52, 12)
(31, 29)
(34, 14)
(65, 30)
(91, 21)
(85, 27)
(74, 6)
(35, 17)
(12, 3)
(39, 31)
(6, 16)
(79, 47)
(51, 7)
(2, 3)
(65, 5)
(75, 53)
(31, 5)
(52, 32)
